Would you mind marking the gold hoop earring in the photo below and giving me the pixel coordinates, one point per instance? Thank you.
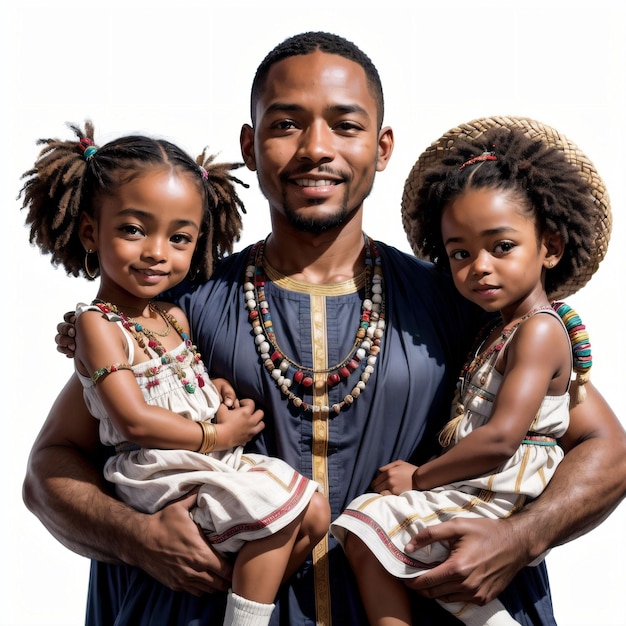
(91, 273)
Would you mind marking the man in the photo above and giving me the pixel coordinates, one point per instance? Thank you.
(351, 348)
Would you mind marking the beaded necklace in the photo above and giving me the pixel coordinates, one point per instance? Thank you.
(139, 331)
(478, 358)
(474, 362)
(284, 370)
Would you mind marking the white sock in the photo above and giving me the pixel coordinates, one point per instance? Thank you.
(243, 612)
(492, 614)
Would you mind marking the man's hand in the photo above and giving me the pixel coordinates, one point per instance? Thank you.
(484, 557)
(65, 335)
(226, 392)
(176, 553)
(394, 478)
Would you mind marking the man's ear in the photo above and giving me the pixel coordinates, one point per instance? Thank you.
(385, 148)
(246, 141)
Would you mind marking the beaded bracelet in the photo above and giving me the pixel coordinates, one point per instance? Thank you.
(98, 375)
(209, 437)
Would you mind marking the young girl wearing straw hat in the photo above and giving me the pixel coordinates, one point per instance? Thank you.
(519, 217)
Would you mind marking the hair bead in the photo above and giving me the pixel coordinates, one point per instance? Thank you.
(89, 152)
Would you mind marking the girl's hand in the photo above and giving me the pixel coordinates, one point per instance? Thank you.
(394, 478)
(227, 393)
(237, 425)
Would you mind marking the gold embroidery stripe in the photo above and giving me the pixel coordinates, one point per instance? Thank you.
(320, 451)
(522, 470)
(334, 289)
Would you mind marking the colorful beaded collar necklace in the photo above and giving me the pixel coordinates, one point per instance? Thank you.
(139, 331)
(285, 371)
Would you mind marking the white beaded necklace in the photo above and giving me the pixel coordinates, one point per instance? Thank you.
(284, 370)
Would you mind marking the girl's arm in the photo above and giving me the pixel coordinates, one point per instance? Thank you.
(101, 344)
(537, 353)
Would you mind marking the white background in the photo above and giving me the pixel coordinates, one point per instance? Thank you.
(183, 70)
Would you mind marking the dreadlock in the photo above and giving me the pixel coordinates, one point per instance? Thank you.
(223, 222)
(540, 176)
(69, 176)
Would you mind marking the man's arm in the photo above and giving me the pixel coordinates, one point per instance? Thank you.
(589, 484)
(64, 488)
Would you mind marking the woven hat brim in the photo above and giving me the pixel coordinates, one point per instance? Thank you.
(534, 130)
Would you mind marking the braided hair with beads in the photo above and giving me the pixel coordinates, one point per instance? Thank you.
(69, 175)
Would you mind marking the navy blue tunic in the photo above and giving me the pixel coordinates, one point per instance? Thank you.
(429, 329)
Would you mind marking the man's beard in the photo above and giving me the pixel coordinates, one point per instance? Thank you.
(316, 225)
(319, 224)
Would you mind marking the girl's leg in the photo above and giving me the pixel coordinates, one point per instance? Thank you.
(385, 597)
(313, 529)
(262, 565)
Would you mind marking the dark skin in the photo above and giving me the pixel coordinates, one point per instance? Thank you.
(65, 490)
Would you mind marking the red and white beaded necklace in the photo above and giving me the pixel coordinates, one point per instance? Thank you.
(285, 371)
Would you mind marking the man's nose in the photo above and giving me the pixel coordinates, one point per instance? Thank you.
(317, 143)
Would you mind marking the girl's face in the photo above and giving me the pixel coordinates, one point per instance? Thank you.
(145, 234)
(496, 257)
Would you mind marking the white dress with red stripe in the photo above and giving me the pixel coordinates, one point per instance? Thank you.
(241, 497)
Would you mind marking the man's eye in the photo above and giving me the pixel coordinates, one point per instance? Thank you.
(284, 125)
(347, 126)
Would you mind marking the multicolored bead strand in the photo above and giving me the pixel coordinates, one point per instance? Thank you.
(475, 361)
(285, 371)
(581, 349)
(138, 331)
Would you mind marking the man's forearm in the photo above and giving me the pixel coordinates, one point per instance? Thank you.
(68, 495)
(588, 485)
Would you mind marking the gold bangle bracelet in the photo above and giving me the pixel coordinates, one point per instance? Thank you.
(209, 437)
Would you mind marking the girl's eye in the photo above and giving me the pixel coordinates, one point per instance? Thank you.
(459, 255)
(129, 229)
(503, 247)
(181, 239)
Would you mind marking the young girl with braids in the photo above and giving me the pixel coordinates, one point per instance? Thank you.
(143, 215)
(516, 225)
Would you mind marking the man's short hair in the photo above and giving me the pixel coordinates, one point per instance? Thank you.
(307, 43)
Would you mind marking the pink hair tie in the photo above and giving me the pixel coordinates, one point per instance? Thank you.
(485, 156)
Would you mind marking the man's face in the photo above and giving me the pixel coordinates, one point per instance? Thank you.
(316, 145)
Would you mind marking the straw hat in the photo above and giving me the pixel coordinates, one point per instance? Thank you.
(535, 130)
